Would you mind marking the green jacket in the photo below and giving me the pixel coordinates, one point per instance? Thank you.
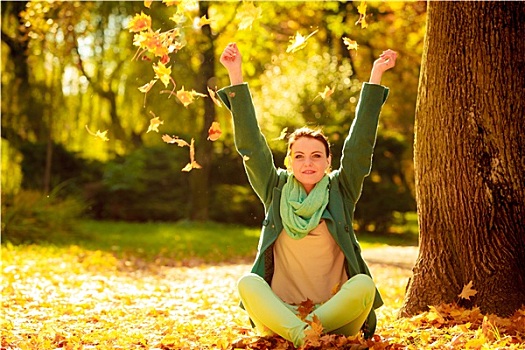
(345, 183)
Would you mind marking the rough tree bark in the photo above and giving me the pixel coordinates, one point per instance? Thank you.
(470, 158)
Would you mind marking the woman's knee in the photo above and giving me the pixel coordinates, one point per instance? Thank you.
(250, 282)
(361, 282)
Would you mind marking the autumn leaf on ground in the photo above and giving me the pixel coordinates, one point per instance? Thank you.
(98, 134)
(175, 140)
(214, 132)
(298, 42)
(187, 97)
(314, 333)
(362, 14)
(203, 21)
(192, 164)
(282, 136)
(248, 14)
(467, 291)
(139, 23)
(305, 308)
(350, 44)
(213, 98)
(154, 123)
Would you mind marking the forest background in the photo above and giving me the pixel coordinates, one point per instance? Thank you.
(70, 69)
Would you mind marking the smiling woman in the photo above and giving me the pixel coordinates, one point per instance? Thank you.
(308, 251)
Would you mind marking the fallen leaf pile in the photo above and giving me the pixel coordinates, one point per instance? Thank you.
(72, 298)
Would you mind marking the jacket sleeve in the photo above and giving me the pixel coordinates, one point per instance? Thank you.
(356, 161)
(250, 142)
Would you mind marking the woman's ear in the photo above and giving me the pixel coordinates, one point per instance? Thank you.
(288, 162)
(329, 164)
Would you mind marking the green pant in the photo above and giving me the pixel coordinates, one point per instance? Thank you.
(344, 313)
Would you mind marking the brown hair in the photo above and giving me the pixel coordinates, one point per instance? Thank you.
(310, 133)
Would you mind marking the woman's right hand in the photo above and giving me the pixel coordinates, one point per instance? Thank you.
(231, 59)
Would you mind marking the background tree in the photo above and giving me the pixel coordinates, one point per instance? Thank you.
(80, 72)
(470, 157)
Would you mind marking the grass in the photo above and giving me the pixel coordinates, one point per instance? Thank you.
(186, 242)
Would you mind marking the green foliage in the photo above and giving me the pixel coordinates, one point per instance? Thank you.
(30, 216)
(145, 185)
(66, 167)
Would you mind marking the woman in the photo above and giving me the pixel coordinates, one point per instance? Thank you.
(307, 249)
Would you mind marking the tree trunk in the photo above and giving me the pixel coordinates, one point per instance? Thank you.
(470, 158)
(200, 178)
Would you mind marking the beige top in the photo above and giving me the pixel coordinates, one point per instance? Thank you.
(308, 268)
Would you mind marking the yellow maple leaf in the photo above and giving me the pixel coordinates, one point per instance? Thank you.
(247, 14)
(99, 134)
(178, 18)
(361, 9)
(350, 44)
(214, 132)
(203, 21)
(154, 124)
(139, 23)
(187, 97)
(313, 334)
(174, 140)
(467, 291)
(147, 3)
(163, 73)
(298, 42)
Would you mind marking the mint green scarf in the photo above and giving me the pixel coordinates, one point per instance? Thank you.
(302, 212)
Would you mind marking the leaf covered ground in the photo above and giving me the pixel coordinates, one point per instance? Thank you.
(72, 298)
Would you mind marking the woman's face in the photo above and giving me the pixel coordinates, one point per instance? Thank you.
(309, 161)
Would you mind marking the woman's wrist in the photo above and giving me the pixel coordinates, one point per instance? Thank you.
(375, 77)
(236, 77)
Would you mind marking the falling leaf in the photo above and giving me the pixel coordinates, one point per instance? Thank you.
(147, 3)
(139, 23)
(187, 97)
(326, 93)
(192, 164)
(214, 132)
(154, 123)
(467, 291)
(282, 136)
(175, 140)
(98, 134)
(247, 14)
(305, 307)
(203, 21)
(213, 98)
(299, 42)
(361, 9)
(162, 72)
(147, 87)
(350, 44)
(179, 18)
